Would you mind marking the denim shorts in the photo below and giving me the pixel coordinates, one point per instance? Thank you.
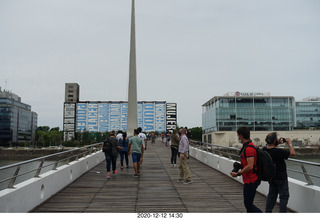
(136, 157)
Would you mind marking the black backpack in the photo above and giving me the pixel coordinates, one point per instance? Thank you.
(266, 169)
(107, 146)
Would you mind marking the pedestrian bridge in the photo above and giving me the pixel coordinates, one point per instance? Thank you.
(156, 190)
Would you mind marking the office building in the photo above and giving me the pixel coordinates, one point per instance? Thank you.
(308, 112)
(17, 122)
(105, 116)
(257, 111)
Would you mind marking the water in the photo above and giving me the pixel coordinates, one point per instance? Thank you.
(5, 174)
(315, 170)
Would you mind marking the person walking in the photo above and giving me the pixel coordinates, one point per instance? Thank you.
(153, 137)
(124, 141)
(135, 148)
(144, 142)
(174, 148)
(279, 184)
(183, 150)
(248, 162)
(119, 135)
(112, 153)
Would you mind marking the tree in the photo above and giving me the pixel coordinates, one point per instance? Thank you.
(196, 133)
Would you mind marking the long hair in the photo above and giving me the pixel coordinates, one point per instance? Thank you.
(124, 136)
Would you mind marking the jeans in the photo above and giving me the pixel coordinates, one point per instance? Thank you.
(110, 160)
(278, 187)
(249, 192)
(174, 154)
(124, 155)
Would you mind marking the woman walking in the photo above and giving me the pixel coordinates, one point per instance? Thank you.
(124, 151)
(110, 149)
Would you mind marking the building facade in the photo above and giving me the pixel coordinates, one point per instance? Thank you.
(105, 116)
(257, 111)
(72, 92)
(17, 122)
(308, 112)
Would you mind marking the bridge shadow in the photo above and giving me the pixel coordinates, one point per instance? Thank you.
(156, 190)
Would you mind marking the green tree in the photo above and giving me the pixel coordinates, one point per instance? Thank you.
(46, 136)
(196, 133)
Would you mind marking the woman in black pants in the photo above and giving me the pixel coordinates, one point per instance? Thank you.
(174, 147)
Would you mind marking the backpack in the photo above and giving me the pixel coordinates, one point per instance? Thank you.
(266, 169)
(107, 146)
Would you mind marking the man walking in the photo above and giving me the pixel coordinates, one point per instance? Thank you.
(135, 148)
(144, 142)
(183, 150)
(279, 184)
(248, 163)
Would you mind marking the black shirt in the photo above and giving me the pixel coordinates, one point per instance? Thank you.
(278, 157)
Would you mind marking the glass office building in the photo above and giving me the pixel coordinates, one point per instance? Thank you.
(257, 111)
(308, 112)
(17, 122)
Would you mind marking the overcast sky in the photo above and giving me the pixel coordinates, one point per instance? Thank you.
(188, 51)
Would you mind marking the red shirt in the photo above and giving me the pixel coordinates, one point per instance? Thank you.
(250, 176)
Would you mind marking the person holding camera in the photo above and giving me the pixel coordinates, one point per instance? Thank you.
(248, 163)
(279, 184)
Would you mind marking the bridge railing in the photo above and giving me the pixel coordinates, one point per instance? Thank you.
(34, 167)
(233, 153)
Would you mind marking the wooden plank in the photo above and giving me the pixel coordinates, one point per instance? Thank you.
(156, 190)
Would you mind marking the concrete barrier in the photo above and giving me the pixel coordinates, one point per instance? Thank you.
(31, 193)
(303, 198)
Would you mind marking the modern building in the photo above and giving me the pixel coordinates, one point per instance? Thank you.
(105, 116)
(308, 112)
(257, 111)
(17, 122)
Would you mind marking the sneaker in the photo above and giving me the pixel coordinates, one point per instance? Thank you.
(115, 171)
(108, 176)
(136, 175)
(188, 182)
(180, 181)
(139, 173)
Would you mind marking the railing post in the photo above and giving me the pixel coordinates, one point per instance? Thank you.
(55, 165)
(10, 186)
(306, 175)
(39, 169)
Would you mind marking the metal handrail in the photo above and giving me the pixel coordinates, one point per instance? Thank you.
(75, 154)
(216, 149)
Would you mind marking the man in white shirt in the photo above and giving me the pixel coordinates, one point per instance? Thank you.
(119, 135)
(183, 150)
(144, 141)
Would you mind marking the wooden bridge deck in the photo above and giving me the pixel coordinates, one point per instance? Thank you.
(156, 190)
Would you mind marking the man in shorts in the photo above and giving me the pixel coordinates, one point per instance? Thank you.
(135, 148)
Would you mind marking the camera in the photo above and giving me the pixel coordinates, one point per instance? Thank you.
(284, 140)
(236, 167)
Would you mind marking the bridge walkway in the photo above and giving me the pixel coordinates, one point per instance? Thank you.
(156, 190)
